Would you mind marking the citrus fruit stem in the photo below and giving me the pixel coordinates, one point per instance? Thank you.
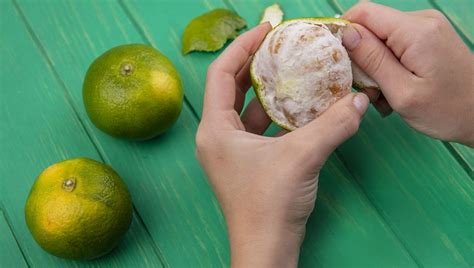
(126, 69)
(69, 184)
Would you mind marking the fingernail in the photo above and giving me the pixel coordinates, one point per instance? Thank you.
(350, 37)
(361, 102)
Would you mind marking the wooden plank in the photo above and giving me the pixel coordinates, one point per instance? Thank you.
(165, 22)
(343, 214)
(466, 153)
(466, 156)
(10, 253)
(422, 192)
(418, 172)
(40, 128)
(460, 13)
(405, 5)
(124, 163)
(168, 186)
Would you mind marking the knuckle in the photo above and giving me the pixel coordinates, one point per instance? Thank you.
(212, 69)
(433, 26)
(201, 140)
(374, 60)
(436, 14)
(362, 7)
(360, 12)
(406, 101)
(348, 120)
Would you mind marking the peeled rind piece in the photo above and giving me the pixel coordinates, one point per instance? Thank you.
(362, 80)
(272, 14)
(210, 31)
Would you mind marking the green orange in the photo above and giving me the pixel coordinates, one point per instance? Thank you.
(78, 209)
(133, 91)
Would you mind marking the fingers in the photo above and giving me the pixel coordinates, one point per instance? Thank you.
(376, 59)
(379, 19)
(427, 13)
(254, 118)
(321, 137)
(220, 81)
(242, 85)
(236, 55)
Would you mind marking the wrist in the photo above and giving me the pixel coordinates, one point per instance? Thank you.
(264, 246)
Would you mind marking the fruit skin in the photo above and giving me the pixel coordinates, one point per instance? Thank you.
(210, 31)
(132, 91)
(361, 81)
(84, 221)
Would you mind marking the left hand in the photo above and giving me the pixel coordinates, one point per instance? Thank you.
(265, 185)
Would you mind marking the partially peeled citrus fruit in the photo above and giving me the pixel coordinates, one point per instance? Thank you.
(301, 69)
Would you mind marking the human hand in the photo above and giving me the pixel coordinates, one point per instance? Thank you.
(424, 69)
(266, 185)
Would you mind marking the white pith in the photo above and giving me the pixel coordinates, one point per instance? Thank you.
(272, 14)
(301, 68)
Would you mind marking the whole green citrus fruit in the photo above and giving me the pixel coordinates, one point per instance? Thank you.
(133, 91)
(78, 209)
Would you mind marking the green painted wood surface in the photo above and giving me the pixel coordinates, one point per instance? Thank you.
(466, 156)
(10, 252)
(39, 128)
(407, 202)
(165, 31)
(424, 174)
(459, 12)
(163, 175)
(355, 206)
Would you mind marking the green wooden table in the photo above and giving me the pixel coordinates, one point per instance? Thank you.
(388, 197)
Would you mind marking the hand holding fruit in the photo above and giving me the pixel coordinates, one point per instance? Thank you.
(265, 185)
(424, 69)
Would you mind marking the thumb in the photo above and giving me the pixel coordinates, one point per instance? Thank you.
(333, 127)
(375, 58)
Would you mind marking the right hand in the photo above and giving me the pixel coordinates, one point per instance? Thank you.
(423, 67)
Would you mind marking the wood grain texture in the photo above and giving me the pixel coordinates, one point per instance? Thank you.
(167, 184)
(10, 253)
(422, 192)
(164, 222)
(343, 214)
(437, 212)
(460, 13)
(406, 203)
(38, 129)
(467, 157)
(162, 23)
(343, 217)
(418, 172)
